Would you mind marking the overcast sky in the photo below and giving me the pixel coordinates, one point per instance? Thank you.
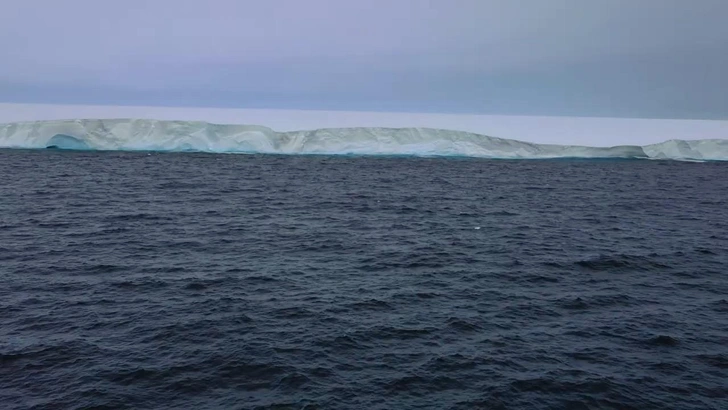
(623, 58)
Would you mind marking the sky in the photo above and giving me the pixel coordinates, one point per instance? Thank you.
(592, 58)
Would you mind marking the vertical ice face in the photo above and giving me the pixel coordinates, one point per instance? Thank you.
(153, 135)
(696, 149)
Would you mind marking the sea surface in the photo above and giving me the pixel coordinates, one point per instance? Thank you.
(202, 281)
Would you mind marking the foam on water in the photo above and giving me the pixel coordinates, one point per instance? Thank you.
(156, 135)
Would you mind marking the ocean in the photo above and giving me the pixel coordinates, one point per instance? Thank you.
(136, 280)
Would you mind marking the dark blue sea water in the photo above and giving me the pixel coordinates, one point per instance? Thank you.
(166, 281)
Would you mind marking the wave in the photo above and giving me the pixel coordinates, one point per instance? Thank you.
(156, 135)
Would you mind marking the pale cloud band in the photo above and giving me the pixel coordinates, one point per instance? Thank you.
(648, 58)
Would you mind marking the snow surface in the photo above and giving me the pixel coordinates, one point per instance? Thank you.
(156, 135)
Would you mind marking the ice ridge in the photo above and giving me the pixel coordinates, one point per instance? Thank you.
(157, 135)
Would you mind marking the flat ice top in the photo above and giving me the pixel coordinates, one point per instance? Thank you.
(162, 135)
(598, 132)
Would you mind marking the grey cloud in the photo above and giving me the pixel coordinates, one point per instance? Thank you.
(531, 56)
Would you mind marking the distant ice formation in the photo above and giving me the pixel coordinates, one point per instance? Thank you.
(154, 135)
(706, 150)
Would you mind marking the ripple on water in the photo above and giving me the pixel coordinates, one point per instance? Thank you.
(268, 282)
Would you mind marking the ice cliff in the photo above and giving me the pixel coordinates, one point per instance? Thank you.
(154, 135)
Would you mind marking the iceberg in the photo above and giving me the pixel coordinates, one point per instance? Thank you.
(707, 150)
(157, 135)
